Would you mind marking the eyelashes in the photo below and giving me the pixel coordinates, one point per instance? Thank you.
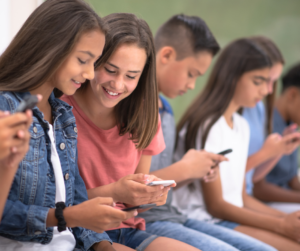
(81, 62)
(112, 72)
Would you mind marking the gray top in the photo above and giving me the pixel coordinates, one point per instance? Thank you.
(164, 159)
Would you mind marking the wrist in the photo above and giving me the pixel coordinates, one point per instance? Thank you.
(280, 226)
(72, 217)
(114, 192)
(188, 171)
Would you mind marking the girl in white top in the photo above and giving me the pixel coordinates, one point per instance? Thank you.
(239, 79)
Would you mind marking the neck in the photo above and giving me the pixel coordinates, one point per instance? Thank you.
(282, 109)
(231, 109)
(101, 116)
(45, 90)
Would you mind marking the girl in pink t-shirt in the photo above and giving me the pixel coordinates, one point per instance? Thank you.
(119, 129)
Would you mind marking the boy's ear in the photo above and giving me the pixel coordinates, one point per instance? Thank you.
(167, 54)
(293, 93)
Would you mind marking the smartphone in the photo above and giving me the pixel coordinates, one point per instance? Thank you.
(139, 207)
(28, 103)
(225, 152)
(165, 183)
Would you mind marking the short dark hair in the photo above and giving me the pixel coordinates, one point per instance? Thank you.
(187, 35)
(291, 78)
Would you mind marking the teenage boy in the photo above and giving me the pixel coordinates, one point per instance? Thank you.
(281, 187)
(184, 50)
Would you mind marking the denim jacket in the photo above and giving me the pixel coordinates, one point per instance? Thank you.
(33, 190)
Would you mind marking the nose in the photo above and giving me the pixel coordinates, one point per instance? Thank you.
(89, 72)
(191, 85)
(270, 87)
(265, 89)
(118, 83)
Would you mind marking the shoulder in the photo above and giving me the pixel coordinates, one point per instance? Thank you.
(8, 101)
(166, 105)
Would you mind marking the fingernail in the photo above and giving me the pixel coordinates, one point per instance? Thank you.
(161, 187)
(146, 177)
(161, 194)
(135, 213)
(14, 149)
(21, 133)
(168, 188)
(6, 112)
(114, 204)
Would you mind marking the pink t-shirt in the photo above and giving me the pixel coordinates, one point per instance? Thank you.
(105, 157)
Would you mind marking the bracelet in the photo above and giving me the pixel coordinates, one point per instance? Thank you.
(61, 225)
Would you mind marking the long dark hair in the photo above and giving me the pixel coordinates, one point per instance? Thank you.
(238, 57)
(44, 42)
(137, 114)
(276, 57)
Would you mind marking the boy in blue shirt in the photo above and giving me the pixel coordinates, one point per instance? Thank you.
(281, 187)
(184, 50)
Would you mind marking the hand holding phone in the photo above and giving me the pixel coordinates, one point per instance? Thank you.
(145, 206)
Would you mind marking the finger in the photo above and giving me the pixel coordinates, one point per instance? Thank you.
(291, 137)
(4, 114)
(29, 118)
(15, 119)
(105, 201)
(139, 177)
(217, 157)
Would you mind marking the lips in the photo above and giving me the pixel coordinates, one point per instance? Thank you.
(111, 94)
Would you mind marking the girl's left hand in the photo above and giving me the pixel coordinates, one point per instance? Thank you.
(212, 175)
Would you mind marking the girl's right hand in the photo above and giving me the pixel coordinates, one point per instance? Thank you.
(96, 214)
(132, 190)
(273, 145)
(14, 137)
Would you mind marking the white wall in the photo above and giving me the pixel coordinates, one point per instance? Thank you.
(13, 13)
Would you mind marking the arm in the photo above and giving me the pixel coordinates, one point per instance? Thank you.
(219, 208)
(266, 191)
(294, 183)
(262, 170)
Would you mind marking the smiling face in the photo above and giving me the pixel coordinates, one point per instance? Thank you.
(119, 76)
(176, 77)
(252, 87)
(79, 65)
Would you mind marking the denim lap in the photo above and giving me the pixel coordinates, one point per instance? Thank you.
(206, 236)
(133, 238)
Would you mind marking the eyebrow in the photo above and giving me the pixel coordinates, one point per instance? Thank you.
(89, 53)
(262, 78)
(118, 67)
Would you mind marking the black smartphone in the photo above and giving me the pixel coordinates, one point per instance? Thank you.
(139, 207)
(28, 103)
(225, 152)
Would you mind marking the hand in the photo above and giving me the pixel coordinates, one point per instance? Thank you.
(291, 142)
(132, 190)
(290, 129)
(14, 138)
(199, 163)
(96, 214)
(273, 145)
(103, 246)
(290, 226)
(212, 175)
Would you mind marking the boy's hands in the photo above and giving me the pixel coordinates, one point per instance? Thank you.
(132, 190)
(198, 164)
(96, 214)
(14, 138)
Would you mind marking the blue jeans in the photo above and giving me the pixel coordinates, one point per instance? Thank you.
(206, 236)
(131, 237)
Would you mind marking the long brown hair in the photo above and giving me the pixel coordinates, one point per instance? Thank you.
(44, 42)
(137, 114)
(238, 57)
(276, 57)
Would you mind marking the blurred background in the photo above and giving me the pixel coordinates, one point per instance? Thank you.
(228, 20)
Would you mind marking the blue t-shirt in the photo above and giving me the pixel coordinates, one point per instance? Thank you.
(287, 167)
(256, 119)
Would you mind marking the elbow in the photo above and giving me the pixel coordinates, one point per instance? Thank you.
(215, 209)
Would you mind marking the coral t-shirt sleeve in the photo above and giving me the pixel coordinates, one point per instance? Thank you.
(157, 144)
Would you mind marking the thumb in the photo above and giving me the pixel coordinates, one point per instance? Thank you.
(105, 201)
(139, 177)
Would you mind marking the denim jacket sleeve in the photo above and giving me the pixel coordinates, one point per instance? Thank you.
(85, 238)
(30, 218)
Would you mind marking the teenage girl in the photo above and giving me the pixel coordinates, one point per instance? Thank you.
(118, 122)
(14, 139)
(264, 154)
(239, 79)
(54, 52)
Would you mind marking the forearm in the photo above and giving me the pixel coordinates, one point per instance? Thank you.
(256, 159)
(6, 178)
(268, 192)
(246, 216)
(262, 170)
(295, 184)
(103, 191)
(175, 172)
(255, 205)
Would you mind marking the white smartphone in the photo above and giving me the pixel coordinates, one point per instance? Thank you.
(165, 183)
